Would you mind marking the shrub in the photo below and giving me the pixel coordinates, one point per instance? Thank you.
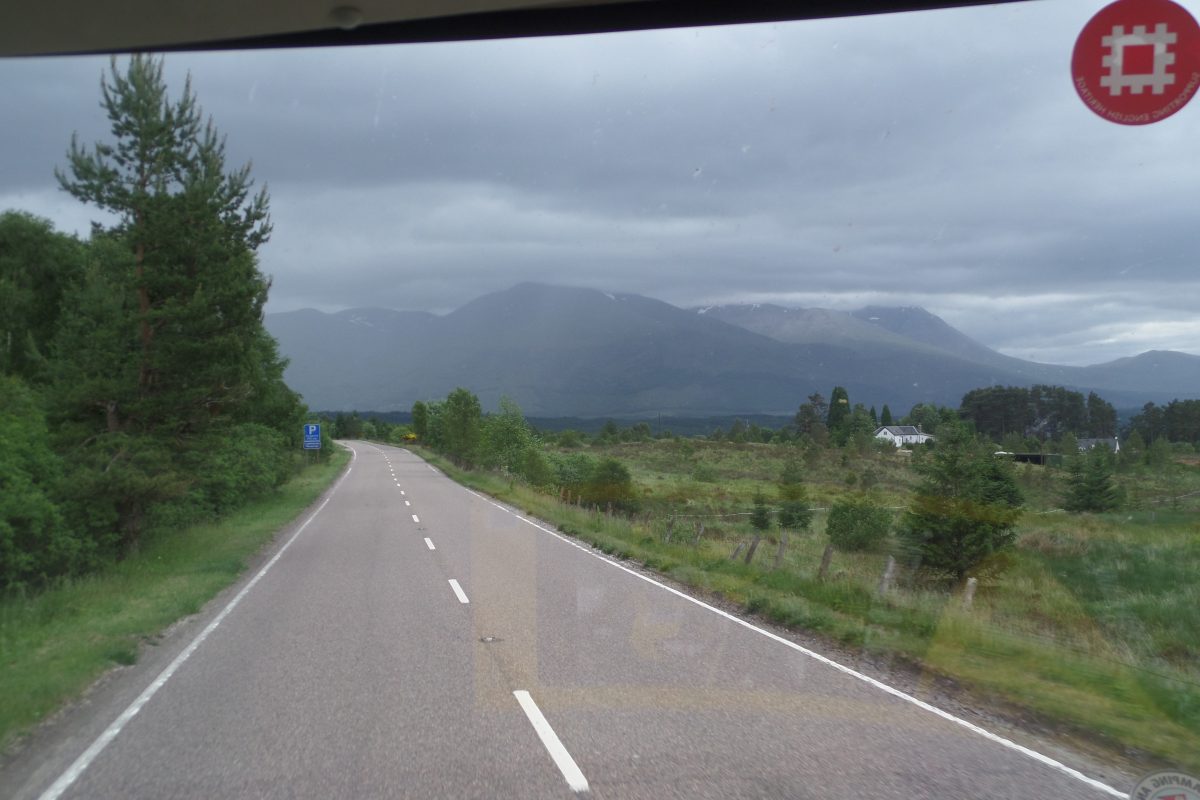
(857, 523)
(533, 467)
(34, 542)
(610, 482)
(570, 439)
(571, 471)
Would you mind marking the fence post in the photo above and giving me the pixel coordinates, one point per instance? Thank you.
(826, 557)
(889, 574)
(736, 550)
(783, 540)
(753, 547)
(969, 594)
(699, 533)
(670, 530)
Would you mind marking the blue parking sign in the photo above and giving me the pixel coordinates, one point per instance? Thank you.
(312, 436)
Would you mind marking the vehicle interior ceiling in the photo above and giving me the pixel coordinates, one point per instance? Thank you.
(63, 27)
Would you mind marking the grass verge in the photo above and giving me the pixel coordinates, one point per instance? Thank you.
(56, 643)
(1043, 639)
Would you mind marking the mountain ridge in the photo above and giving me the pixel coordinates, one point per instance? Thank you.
(563, 351)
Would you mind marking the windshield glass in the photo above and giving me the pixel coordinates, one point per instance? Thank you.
(866, 328)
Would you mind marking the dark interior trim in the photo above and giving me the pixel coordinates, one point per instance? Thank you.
(580, 19)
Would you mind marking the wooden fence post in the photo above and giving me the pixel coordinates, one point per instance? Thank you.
(753, 547)
(889, 575)
(826, 557)
(969, 594)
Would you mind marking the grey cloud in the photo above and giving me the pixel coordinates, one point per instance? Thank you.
(931, 159)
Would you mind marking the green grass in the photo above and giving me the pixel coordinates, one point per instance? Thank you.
(1095, 626)
(56, 643)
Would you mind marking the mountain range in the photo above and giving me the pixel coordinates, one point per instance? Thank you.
(560, 351)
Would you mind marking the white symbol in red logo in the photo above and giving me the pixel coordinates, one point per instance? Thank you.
(1138, 59)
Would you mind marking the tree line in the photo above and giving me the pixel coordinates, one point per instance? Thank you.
(962, 516)
(1177, 421)
(505, 442)
(960, 519)
(139, 390)
(1038, 412)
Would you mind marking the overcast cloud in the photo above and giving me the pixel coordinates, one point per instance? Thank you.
(939, 159)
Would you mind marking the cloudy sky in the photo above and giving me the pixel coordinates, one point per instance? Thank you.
(939, 159)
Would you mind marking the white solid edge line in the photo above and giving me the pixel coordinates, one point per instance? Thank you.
(562, 759)
(414, 516)
(85, 759)
(458, 592)
(429, 543)
(993, 737)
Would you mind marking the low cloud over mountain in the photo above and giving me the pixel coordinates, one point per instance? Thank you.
(581, 352)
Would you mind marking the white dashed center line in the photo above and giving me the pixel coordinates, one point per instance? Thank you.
(458, 592)
(562, 759)
(429, 543)
(415, 518)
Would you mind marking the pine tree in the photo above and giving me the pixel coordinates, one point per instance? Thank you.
(1090, 484)
(885, 416)
(839, 411)
(165, 352)
(190, 231)
(839, 417)
(965, 509)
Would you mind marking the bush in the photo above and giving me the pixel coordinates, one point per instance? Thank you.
(570, 439)
(857, 523)
(610, 482)
(240, 464)
(571, 471)
(533, 468)
(34, 542)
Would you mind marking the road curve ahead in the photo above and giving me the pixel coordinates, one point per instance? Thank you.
(414, 639)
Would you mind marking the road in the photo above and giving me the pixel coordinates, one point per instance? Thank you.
(415, 639)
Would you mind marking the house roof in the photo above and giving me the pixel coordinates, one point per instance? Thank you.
(1109, 442)
(899, 430)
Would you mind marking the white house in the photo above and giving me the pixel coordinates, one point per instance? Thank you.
(901, 435)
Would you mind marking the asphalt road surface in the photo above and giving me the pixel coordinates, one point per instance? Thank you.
(415, 639)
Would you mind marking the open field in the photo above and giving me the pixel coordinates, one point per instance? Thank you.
(58, 642)
(1094, 626)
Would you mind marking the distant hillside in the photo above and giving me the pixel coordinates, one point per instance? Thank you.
(1154, 375)
(578, 352)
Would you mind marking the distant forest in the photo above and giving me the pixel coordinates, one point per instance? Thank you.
(1025, 417)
